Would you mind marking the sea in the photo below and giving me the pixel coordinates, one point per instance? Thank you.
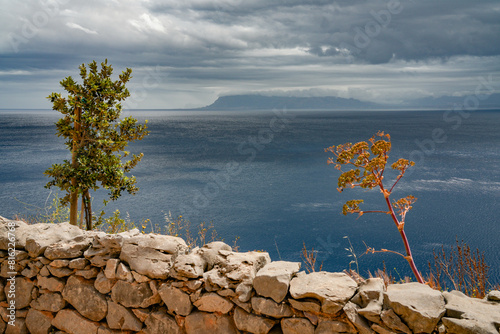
(262, 179)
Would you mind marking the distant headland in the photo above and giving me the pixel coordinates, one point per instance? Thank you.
(264, 102)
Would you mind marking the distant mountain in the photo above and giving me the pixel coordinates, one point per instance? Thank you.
(263, 102)
(259, 102)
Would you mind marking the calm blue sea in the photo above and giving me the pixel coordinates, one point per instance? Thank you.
(263, 176)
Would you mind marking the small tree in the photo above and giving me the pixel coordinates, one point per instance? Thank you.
(369, 160)
(96, 138)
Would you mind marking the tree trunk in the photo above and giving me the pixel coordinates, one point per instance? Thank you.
(88, 209)
(73, 209)
(82, 213)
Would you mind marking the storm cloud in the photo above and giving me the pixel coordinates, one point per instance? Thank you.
(186, 53)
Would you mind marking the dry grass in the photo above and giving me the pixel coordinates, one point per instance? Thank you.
(310, 258)
(461, 269)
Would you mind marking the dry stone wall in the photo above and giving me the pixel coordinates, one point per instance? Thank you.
(60, 279)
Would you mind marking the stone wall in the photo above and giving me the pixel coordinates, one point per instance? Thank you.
(58, 278)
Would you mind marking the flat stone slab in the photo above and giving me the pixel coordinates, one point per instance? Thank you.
(333, 290)
(417, 304)
(470, 315)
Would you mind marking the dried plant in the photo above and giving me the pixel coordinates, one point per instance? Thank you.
(369, 161)
(309, 258)
(461, 269)
(181, 227)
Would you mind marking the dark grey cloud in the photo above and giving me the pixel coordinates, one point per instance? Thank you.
(199, 49)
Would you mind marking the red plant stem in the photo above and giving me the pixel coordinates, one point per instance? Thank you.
(409, 256)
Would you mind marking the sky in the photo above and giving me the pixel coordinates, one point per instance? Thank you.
(187, 53)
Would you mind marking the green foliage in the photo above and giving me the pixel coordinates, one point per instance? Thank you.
(95, 134)
(116, 224)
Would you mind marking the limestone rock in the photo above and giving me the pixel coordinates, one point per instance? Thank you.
(44, 271)
(82, 295)
(147, 261)
(43, 235)
(160, 322)
(333, 290)
(306, 305)
(271, 308)
(51, 301)
(417, 304)
(3, 296)
(381, 330)
(59, 263)
(121, 318)
(71, 322)
(212, 302)
(372, 310)
(98, 257)
(209, 323)
(391, 320)
(110, 270)
(104, 329)
(22, 230)
(123, 273)
(51, 283)
(351, 310)
(470, 315)
(333, 327)
(79, 263)
(243, 266)
(141, 314)
(107, 246)
(493, 296)
(164, 243)
(88, 273)
(368, 291)
(188, 266)
(246, 306)
(215, 280)
(175, 299)
(68, 249)
(274, 278)
(135, 295)
(140, 278)
(18, 328)
(23, 291)
(296, 326)
(60, 272)
(103, 284)
(252, 323)
(210, 253)
(39, 322)
(31, 271)
(244, 290)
